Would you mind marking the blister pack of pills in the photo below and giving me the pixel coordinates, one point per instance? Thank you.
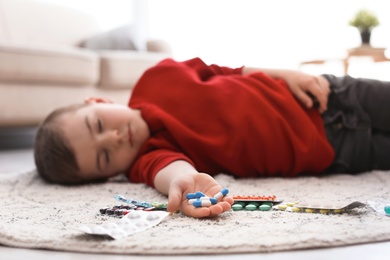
(133, 222)
(315, 207)
(254, 202)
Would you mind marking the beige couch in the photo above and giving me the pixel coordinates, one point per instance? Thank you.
(43, 67)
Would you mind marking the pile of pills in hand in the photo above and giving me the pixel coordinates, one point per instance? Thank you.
(199, 199)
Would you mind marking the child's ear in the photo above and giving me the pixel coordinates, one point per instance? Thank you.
(92, 100)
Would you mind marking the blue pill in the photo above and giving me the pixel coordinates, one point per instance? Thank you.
(224, 192)
(201, 203)
(221, 194)
(213, 201)
(196, 195)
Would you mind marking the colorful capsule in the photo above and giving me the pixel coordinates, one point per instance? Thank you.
(191, 201)
(195, 195)
(221, 194)
(202, 203)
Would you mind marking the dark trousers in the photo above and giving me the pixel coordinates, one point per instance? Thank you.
(357, 124)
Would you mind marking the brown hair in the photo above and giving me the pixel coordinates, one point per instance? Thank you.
(54, 158)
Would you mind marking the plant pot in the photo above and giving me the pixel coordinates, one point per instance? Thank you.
(365, 35)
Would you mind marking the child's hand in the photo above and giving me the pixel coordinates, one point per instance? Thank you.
(192, 183)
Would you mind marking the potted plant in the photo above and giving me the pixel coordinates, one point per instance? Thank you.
(364, 21)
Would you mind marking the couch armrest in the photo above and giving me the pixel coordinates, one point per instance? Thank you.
(122, 69)
(37, 63)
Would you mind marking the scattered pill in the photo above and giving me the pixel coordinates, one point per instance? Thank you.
(282, 207)
(387, 209)
(295, 209)
(309, 210)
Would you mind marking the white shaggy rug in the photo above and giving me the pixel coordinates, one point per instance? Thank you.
(34, 214)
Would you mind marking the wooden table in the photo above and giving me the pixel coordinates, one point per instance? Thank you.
(377, 54)
(365, 50)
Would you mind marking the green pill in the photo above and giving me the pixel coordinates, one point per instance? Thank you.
(387, 209)
(267, 203)
(265, 207)
(237, 207)
(250, 207)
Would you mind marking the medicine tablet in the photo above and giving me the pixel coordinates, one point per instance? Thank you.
(295, 209)
(387, 209)
(250, 207)
(264, 207)
(324, 211)
(338, 211)
(201, 203)
(237, 207)
(309, 210)
(282, 207)
(268, 203)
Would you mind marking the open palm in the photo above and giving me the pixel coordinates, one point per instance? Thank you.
(190, 184)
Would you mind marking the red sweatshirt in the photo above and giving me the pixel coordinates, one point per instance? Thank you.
(221, 121)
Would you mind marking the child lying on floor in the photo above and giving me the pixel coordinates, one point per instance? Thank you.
(187, 121)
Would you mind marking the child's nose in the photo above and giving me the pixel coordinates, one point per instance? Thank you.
(112, 138)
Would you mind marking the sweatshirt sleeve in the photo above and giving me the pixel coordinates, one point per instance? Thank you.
(206, 71)
(148, 165)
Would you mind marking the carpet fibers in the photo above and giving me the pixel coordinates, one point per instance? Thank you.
(38, 215)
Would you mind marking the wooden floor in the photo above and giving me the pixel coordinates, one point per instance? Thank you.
(20, 160)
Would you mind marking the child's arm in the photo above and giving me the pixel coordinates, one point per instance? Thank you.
(179, 178)
(300, 85)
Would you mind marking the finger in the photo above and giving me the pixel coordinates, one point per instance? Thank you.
(174, 198)
(89, 100)
(321, 92)
(304, 98)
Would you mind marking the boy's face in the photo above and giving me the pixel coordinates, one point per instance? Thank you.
(105, 137)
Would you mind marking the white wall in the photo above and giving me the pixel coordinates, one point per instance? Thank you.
(109, 13)
(263, 32)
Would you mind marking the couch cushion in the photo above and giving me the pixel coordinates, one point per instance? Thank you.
(122, 69)
(48, 64)
(120, 38)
